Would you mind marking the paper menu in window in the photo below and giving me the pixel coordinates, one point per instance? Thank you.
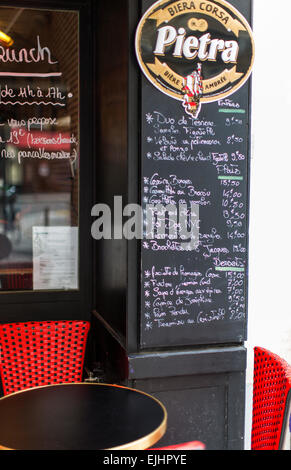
(55, 258)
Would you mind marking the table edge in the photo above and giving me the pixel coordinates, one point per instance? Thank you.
(141, 444)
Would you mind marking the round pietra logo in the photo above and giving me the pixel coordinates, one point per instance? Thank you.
(195, 51)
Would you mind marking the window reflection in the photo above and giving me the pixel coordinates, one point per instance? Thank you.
(39, 148)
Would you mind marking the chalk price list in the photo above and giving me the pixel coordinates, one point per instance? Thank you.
(208, 284)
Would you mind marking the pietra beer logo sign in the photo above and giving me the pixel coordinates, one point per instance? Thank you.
(195, 51)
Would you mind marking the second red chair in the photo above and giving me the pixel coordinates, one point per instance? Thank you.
(271, 399)
(41, 353)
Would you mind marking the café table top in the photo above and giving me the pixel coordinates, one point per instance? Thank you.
(81, 416)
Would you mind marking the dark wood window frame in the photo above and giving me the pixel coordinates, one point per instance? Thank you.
(29, 306)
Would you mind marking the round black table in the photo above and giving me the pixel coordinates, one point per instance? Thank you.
(81, 416)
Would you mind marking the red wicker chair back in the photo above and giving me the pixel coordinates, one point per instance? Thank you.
(41, 353)
(272, 392)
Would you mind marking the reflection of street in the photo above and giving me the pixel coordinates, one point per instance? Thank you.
(34, 210)
(39, 134)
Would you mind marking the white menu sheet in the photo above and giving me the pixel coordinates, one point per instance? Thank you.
(55, 258)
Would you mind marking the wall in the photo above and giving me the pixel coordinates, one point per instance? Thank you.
(270, 227)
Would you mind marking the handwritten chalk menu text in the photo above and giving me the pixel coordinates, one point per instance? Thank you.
(39, 141)
(193, 296)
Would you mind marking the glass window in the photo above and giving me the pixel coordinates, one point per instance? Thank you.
(39, 149)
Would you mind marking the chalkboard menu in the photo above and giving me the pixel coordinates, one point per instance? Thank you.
(198, 296)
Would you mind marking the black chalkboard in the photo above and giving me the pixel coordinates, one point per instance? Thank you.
(196, 297)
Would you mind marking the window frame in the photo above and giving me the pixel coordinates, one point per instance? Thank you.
(50, 305)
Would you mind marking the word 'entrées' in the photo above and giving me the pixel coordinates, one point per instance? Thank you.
(38, 54)
(191, 47)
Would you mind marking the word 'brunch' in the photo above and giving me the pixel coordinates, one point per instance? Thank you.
(35, 54)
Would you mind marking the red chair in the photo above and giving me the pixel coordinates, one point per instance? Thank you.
(41, 353)
(194, 445)
(271, 400)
